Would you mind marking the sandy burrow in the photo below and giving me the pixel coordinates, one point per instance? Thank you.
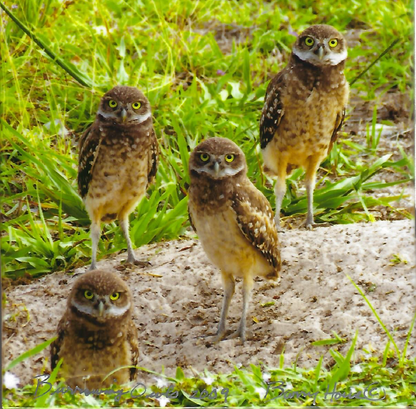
(178, 300)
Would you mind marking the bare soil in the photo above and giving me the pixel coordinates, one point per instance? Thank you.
(178, 301)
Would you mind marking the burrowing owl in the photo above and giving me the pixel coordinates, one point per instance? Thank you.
(234, 221)
(304, 109)
(118, 157)
(96, 334)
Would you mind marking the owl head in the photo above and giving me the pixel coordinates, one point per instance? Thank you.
(124, 105)
(217, 158)
(321, 45)
(100, 296)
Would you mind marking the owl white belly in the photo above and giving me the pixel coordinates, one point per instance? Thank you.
(227, 247)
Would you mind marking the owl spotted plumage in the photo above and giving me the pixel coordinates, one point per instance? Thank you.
(96, 334)
(304, 109)
(118, 158)
(234, 221)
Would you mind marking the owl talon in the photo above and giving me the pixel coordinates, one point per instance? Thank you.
(219, 336)
(138, 263)
(313, 226)
(238, 334)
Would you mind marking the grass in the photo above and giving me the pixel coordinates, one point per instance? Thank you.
(205, 66)
(205, 75)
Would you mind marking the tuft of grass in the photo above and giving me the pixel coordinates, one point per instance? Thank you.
(343, 385)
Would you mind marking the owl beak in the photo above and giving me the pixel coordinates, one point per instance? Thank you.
(100, 309)
(123, 115)
(216, 168)
(320, 52)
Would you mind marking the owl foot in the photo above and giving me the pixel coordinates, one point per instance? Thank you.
(313, 225)
(308, 226)
(308, 223)
(133, 260)
(239, 334)
(279, 228)
(139, 263)
(218, 337)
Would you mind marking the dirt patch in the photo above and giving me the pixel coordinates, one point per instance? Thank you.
(178, 300)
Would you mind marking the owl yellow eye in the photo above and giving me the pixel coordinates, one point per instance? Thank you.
(309, 41)
(114, 296)
(204, 157)
(136, 105)
(112, 103)
(229, 157)
(88, 294)
(333, 42)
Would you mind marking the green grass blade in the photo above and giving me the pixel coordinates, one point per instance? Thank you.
(403, 356)
(28, 354)
(72, 71)
(376, 315)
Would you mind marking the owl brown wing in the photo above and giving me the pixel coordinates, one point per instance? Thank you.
(190, 218)
(133, 340)
(153, 158)
(89, 146)
(255, 219)
(272, 112)
(338, 124)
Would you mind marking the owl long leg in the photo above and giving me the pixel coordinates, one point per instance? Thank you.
(131, 258)
(280, 189)
(310, 178)
(95, 232)
(123, 218)
(247, 287)
(229, 288)
(124, 224)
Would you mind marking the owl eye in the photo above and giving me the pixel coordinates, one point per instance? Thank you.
(333, 42)
(309, 41)
(136, 105)
(229, 158)
(114, 296)
(112, 103)
(204, 157)
(88, 294)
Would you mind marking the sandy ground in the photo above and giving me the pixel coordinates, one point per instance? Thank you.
(178, 300)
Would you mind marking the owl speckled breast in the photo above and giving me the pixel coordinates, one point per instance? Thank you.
(308, 123)
(124, 172)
